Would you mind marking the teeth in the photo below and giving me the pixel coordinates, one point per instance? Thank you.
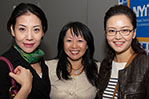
(74, 52)
(118, 42)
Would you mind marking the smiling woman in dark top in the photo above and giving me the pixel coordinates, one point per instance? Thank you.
(125, 69)
(27, 25)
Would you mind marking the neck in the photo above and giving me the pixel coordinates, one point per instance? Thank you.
(75, 64)
(123, 57)
(76, 68)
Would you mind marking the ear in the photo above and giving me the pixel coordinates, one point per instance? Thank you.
(134, 33)
(87, 47)
(12, 31)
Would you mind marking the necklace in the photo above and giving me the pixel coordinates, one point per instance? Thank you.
(76, 71)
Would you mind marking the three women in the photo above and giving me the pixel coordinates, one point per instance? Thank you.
(74, 72)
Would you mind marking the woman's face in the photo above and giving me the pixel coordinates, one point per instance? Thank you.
(74, 46)
(27, 32)
(120, 42)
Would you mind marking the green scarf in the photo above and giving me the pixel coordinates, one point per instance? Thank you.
(30, 57)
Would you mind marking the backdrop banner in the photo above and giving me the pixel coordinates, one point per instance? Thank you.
(141, 9)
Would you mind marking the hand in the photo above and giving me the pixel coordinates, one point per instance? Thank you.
(22, 76)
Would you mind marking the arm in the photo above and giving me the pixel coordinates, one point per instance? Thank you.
(24, 78)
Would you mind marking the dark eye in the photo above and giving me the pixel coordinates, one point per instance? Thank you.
(22, 29)
(80, 40)
(111, 31)
(125, 31)
(36, 29)
(68, 40)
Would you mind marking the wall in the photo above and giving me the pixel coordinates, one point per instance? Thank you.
(60, 12)
(96, 12)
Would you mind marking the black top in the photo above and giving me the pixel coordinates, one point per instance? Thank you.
(40, 87)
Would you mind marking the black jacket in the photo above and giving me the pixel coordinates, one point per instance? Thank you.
(133, 81)
(40, 88)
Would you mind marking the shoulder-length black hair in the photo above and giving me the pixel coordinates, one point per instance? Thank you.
(88, 62)
(24, 8)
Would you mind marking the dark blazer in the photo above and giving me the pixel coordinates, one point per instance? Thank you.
(133, 81)
(40, 87)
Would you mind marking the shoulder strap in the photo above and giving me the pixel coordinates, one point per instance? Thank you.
(13, 90)
(129, 61)
(7, 62)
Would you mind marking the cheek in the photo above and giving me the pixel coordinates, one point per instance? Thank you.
(84, 47)
(38, 37)
(129, 38)
(129, 41)
(66, 46)
(37, 44)
(109, 39)
(19, 37)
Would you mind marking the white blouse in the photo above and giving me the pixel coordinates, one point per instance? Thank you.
(76, 88)
(108, 93)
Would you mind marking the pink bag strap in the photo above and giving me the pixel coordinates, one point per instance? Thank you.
(13, 89)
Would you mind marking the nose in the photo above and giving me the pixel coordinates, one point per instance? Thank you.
(29, 35)
(118, 35)
(74, 44)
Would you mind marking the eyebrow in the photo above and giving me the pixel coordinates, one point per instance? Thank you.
(37, 26)
(22, 25)
(26, 26)
(120, 27)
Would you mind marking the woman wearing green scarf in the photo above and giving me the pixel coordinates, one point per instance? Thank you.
(27, 25)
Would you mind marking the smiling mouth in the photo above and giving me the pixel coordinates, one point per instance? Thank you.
(28, 45)
(118, 43)
(74, 52)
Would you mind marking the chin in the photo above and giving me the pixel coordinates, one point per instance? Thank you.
(28, 51)
(120, 51)
(74, 59)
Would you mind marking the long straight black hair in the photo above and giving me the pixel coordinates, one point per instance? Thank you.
(88, 62)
